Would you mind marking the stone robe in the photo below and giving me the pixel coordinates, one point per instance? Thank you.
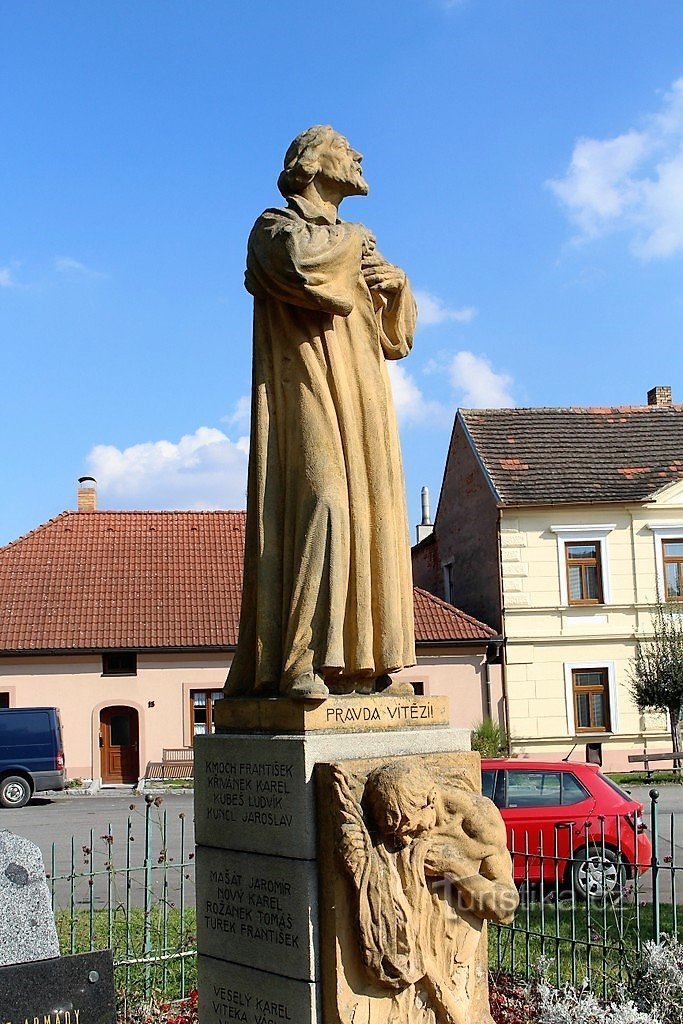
(327, 574)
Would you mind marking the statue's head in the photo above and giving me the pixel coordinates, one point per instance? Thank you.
(322, 152)
(400, 798)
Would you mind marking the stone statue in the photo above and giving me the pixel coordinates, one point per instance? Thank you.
(428, 864)
(327, 595)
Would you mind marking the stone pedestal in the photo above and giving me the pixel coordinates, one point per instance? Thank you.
(258, 842)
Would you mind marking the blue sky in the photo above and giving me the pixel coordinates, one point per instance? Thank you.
(525, 159)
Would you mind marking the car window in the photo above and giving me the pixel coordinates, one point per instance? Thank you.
(617, 789)
(572, 790)
(488, 779)
(533, 789)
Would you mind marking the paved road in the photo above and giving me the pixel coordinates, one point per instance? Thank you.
(52, 823)
(670, 808)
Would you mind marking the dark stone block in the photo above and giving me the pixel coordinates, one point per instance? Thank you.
(65, 990)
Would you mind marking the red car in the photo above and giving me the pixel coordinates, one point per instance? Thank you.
(567, 824)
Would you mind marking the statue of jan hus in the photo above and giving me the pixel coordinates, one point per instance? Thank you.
(327, 600)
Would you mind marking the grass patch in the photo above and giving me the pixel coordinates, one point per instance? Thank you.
(165, 937)
(577, 940)
(641, 779)
(161, 784)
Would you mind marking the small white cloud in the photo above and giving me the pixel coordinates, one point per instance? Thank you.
(432, 310)
(68, 265)
(240, 415)
(203, 470)
(477, 385)
(633, 182)
(410, 403)
(8, 276)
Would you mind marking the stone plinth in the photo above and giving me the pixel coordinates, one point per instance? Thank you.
(335, 714)
(258, 919)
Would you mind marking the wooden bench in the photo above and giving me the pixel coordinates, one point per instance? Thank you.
(646, 759)
(176, 763)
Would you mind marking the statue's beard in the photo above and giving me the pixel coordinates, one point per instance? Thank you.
(361, 187)
(354, 185)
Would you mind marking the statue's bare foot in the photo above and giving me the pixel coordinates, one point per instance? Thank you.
(308, 687)
(393, 687)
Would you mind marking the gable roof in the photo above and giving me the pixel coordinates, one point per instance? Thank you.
(437, 621)
(146, 580)
(575, 455)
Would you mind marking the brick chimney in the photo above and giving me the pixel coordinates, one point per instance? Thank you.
(661, 395)
(87, 494)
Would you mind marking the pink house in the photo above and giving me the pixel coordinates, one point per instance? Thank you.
(126, 621)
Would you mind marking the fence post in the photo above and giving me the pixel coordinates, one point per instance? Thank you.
(147, 909)
(654, 812)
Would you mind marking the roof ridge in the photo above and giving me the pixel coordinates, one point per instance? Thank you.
(452, 608)
(674, 407)
(121, 512)
(37, 529)
(156, 512)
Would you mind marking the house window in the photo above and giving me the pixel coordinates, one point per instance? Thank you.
(590, 688)
(119, 663)
(202, 704)
(4, 699)
(584, 576)
(672, 552)
(583, 562)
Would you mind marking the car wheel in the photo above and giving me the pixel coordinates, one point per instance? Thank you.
(598, 873)
(15, 791)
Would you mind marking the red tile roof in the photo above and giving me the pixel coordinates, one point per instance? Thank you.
(436, 621)
(554, 456)
(146, 580)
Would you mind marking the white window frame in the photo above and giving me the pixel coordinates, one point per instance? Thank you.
(586, 535)
(573, 666)
(661, 532)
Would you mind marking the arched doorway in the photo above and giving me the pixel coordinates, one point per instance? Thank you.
(119, 757)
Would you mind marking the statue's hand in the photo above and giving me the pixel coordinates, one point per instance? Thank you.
(380, 275)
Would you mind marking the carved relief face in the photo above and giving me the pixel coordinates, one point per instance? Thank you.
(405, 813)
(342, 164)
(411, 821)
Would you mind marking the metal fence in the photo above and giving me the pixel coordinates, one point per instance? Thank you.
(133, 894)
(136, 895)
(586, 906)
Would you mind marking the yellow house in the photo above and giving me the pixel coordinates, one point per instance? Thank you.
(560, 527)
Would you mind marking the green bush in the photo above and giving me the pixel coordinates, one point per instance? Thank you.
(489, 739)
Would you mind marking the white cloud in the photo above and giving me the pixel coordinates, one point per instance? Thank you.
(7, 278)
(68, 265)
(240, 415)
(410, 403)
(432, 310)
(202, 470)
(477, 385)
(633, 181)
